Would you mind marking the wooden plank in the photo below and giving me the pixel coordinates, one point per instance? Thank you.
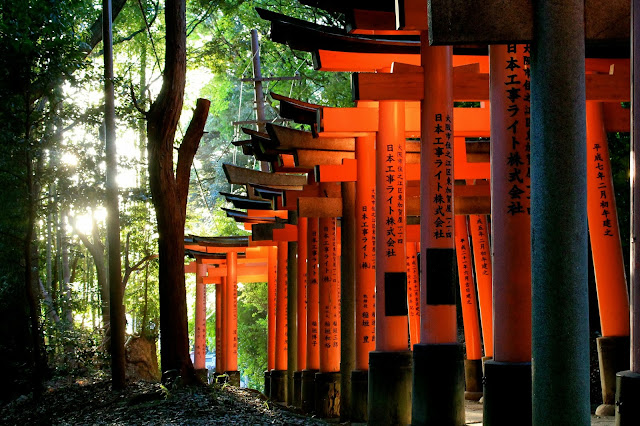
(326, 60)
(473, 87)
(241, 175)
(287, 233)
(312, 158)
(289, 138)
(454, 22)
(319, 207)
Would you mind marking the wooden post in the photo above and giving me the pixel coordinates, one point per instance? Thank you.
(313, 333)
(390, 363)
(347, 297)
(482, 260)
(413, 293)
(271, 316)
(200, 338)
(365, 272)
(438, 369)
(301, 311)
(508, 374)
(231, 320)
(560, 305)
(611, 282)
(473, 362)
(220, 327)
(292, 308)
(328, 378)
(279, 374)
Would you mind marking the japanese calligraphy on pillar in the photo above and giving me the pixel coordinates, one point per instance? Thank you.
(481, 245)
(517, 94)
(600, 170)
(441, 218)
(394, 198)
(464, 265)
(329, 297)
(312, 283)
(413, 293)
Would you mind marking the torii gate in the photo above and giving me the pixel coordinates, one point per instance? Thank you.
(223, 261)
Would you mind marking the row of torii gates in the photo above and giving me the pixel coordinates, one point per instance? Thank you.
(365, 226)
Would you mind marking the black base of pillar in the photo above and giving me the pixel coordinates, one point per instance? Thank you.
(278, 386)
(613, 356)
(234, 378)
(203, 374)
(308, 390)
(267, 383)
(507, 390)
(327, 395)
(438, 384)
(389, 395)
(359, 390)
(297, 388)
(627, 397)
(473, 379)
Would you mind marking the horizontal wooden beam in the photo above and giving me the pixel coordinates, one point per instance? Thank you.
(241, 175)
(345, 172)
(473, 86)
(312, 158)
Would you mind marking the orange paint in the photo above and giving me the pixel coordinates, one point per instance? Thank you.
(392, 331)
(437, 282)
(611, 282)
(313, 303)
(271, 307)
(231, 314)
(329, 289)
(510, 206)
(281, 309)
(413, 293)
(200, 338)
(467, 290)
(365, 250)
(302, 294)
(220, 328)
(482, 259)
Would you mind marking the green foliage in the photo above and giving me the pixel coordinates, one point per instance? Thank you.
(252, 333)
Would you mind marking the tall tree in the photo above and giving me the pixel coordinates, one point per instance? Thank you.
(169, 190)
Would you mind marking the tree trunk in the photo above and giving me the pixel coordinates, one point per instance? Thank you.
(169, 192)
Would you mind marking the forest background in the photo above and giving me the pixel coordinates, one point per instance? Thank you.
(54, 298)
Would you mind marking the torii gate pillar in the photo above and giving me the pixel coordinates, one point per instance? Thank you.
(560, 305)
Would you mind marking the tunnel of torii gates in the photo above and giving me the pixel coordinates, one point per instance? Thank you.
(365, 328)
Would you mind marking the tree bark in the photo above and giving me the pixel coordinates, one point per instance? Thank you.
(169, 191)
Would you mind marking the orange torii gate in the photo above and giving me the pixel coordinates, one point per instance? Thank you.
(217, 263)
(609, 98)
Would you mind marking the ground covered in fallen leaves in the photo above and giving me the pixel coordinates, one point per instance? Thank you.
(87, 401)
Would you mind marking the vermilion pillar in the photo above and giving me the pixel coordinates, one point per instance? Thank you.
(220, 327)
(301, 311)
(271, 316)
(365, 273)
(482, 260)
(390, 363)
(231, 320)
(328, 378)
(413, 293)
(279, 374)
(611, 282)
(312, 361)
(200, 338)
(508, 375)
(438, 370)
(473, 363)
